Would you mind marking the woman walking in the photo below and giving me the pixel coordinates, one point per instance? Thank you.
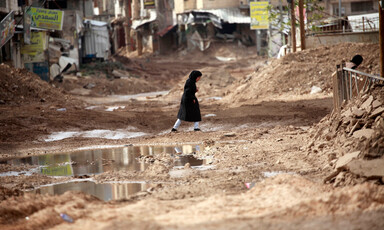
(189, 105)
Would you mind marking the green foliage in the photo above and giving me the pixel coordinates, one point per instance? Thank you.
(315, 12)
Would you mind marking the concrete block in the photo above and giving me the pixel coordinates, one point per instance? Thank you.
(376, 104)
(367, 168)
(367, 133)
(358, 112)
(344, 160)
(367, 103)
(377, 112)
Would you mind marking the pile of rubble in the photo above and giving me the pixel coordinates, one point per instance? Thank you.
(301, 72)
(353, 140)
(19, 86)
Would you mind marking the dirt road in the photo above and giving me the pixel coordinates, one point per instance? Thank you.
(253, 166)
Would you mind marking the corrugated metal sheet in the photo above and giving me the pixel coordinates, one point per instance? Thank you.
(96, 39)
(230, 15)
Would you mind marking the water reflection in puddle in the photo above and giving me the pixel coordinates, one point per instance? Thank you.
(104, 192)
(97, 161)
(103, 160)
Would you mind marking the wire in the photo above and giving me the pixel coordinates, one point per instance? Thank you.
(26, 11)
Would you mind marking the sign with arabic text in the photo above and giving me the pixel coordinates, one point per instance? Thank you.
(259, 15)
(7, 28)
(46, 18)
(35, 51)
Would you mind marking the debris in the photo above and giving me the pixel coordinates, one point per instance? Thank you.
(377, 112)
(367, 103)
(342, 161)
(229, 134)
(61, 110)
(367, 133)
(367, 168)
(89, 86)
(315, 89)
(376, 104)
(250, 185)
(66, 217)
(358, 112)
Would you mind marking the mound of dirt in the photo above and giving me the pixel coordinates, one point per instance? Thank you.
(297, 73)
(18, 86)
(358, 134)
(224, 64)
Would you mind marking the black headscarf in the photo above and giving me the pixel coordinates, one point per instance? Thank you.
(357, 60)
(194, 75)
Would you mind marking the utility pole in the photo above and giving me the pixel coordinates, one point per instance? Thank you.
(136, 5)
(281, 21)
(381, 37)
(302, 30)
(293, 26)
(127, 25)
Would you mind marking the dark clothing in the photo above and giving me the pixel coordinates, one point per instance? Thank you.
(190, 111)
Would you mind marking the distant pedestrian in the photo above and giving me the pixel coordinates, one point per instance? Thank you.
(189, 105)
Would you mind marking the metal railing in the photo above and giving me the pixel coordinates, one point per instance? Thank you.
(364, 24)
(349, 83)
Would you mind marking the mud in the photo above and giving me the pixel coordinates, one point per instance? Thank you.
(259, 169)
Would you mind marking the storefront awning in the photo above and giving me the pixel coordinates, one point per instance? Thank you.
(165, 30)
(228, 15)
(138, 23)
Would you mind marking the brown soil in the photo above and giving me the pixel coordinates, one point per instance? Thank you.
(266, 121)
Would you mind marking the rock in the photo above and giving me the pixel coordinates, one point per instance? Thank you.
(339, 179)
(229, 134)
(367, 133)
(367, 168)
(347, 113)
(376, 104)
(376, 112)
(344, 160)
(355, 127)
(2, 102)
(358, 112)
(367, 103)
(89, 86)
(187, 166)
(380, 123)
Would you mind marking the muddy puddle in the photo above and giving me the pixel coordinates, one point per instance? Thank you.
(104, 192)
(90, 162)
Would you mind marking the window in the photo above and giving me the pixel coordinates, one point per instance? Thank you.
(3, 3)
(336, 10)
(361, 6)
(57, 4)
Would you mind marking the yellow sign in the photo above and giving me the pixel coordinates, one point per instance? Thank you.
(35, 51)
(46, 19)
(38, 43)
(259, 15)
